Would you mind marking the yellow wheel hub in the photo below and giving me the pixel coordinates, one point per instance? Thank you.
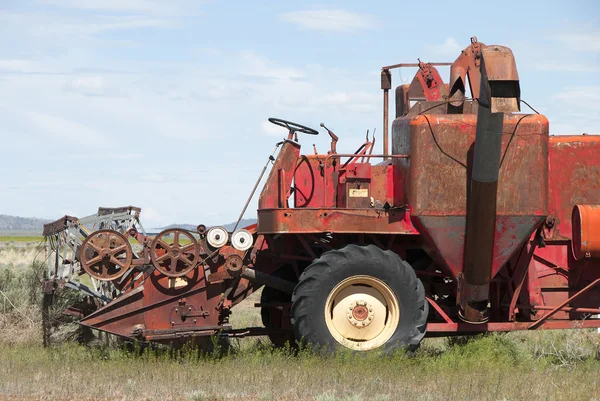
(362, 313)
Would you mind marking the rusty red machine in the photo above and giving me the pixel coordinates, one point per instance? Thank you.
(477, 220)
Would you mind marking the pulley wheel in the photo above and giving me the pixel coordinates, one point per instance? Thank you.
(217, 237)
(174, 252)
(105, 255)
(242, 239)
(234, 264)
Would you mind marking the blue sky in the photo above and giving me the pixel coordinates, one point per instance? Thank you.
(163, 104)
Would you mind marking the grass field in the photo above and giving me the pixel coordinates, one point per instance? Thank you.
(9, 239)
(552, 365)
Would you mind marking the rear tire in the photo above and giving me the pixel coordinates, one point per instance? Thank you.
(362, 298)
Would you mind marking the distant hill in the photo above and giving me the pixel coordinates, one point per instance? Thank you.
(22, 224)
(15, 225)
(228, 227)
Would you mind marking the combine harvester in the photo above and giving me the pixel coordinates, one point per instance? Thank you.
(477, 220)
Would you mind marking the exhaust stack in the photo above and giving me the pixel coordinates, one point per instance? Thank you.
(499, 94)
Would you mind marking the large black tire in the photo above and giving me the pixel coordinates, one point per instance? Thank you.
(273, 318)
(324, 274)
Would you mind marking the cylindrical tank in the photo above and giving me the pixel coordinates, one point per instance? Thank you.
(585, 220)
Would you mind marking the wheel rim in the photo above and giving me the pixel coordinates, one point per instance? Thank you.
(170, 257)
(105, 255)
(362, 313)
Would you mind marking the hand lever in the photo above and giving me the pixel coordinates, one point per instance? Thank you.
(334, 138)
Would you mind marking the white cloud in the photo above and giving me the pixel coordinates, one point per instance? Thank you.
(66, 131)
(559, 65)
(578, 110)
(329, 20)
(355, 101)
(152, 218)
(107, 156)
(450, 48)
(337, 101)
(156, 7)
(90, 86)
(585, 97)
(256, 65)
(272, 129)
(16, 65)
(588, 42)
(153, 177)
(57, 31)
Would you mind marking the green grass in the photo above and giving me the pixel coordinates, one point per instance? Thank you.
(486, 368)
(10, 238)
(538, 365)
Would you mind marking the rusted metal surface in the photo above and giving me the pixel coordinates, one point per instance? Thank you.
(466, 66)
(574, 176)
(586, 231)
(372, 221)
(106, 255)
(437, 173)
(286, 163)
(268, 280)
(105, 211)
(59, 225)
(171, 257)
(478, 227)
(465, 328)
(427, 84)
(498, 68)
(565, 303)
(386, 85)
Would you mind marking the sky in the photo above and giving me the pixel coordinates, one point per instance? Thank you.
(163, 104)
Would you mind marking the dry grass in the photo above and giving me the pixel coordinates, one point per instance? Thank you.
(28, 239)
(488, 368)
(558, 365)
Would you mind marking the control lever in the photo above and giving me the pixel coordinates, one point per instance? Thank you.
(334, 139)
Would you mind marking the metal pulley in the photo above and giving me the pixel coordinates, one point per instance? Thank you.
(217, 237)
(242, 239)
(105, 255)
(173, 255)
(234, 264)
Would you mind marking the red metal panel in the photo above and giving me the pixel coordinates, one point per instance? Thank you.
(444, 236)
(286, 163)
(586, 231)
(574, 176)
(436, 175)
(308, 181)
(152, 306)
(367, 221)
(454, 328)
(440, 148)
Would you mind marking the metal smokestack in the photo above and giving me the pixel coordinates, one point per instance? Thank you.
(499, 93)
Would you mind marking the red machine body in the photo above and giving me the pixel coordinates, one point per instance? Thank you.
(414, 201)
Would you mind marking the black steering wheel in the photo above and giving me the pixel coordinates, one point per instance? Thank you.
(293, 127)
